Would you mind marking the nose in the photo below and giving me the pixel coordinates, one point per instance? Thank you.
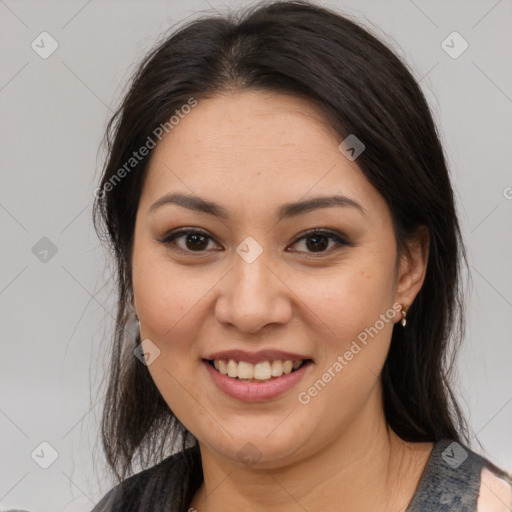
(252, 296)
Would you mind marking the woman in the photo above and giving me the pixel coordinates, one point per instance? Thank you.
(288, 259)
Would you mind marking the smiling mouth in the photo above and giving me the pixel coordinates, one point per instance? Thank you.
(261, 372)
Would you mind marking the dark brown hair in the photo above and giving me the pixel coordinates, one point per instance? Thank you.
(362, 88)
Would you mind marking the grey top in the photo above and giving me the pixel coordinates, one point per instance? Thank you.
(450, 483)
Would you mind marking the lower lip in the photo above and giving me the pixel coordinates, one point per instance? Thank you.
(255, 391)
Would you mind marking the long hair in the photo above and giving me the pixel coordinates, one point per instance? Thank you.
(362, 88)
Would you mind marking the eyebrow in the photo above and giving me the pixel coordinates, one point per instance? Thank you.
(287, 210)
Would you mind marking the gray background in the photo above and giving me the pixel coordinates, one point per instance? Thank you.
(55, 313)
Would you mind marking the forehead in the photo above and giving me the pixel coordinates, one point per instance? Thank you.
(253, 146)
(266, 126)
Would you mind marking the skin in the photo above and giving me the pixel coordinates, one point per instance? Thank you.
(251, 152)
(495, 494)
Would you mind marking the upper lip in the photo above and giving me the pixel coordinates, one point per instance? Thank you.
(256, 357)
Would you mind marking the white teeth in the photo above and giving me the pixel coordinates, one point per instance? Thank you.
(296, 364)
(245, 370)
(263, 370)
(232, 368)
(223, 368)
(277, 368)
(287, 366)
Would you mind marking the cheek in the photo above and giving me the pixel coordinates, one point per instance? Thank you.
(168, 301)
(354, 320)
(163, 297)
(351, 321)
(351, 297)
(165, 301)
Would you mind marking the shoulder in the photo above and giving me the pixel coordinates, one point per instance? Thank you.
(139, 490)
(458, 478)
(495, 493)
(107, 502)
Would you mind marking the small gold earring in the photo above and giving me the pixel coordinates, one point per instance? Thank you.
(404, 314)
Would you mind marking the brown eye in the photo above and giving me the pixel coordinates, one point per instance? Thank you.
(317, 241)
(194, 241)
(197, 241)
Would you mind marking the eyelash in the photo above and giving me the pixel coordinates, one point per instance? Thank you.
(337, 237)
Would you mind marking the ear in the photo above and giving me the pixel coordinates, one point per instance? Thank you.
(412, 268)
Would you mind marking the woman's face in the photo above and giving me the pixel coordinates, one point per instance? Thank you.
(253, 281)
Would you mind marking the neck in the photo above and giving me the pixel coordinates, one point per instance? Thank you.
(365, 467)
